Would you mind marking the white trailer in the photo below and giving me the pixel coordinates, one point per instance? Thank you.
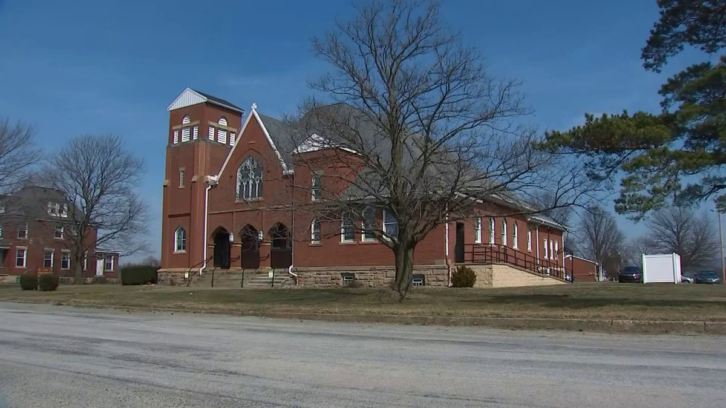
(662, 268)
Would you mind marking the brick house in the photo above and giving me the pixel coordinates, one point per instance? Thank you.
(582, 269)
(34, 231)
(231, 191)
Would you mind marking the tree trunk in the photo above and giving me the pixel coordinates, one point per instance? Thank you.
(78, 268)
(404, 270)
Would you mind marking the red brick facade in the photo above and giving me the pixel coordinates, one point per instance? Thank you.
(280, 205)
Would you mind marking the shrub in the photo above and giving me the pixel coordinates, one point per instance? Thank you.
(99, 280)
(28, 282)
(48, 282)
(138, 274)
(463, 277)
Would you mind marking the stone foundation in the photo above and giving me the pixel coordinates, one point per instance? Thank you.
(174, 277)
(505, 276)
(367, 277)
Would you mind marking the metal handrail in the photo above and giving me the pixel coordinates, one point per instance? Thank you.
(498, 253)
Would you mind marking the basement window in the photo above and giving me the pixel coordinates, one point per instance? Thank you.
(418, 280)
(348, 278)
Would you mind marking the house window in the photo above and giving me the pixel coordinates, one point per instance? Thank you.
(390, 224)
(348, 278)
(186, 120)
(2, 208)
(20, 257)
(222, 136)
(195, 132)
(515, 235)
(176, 137)
(492, 223)
(65, 260)
(315, 231)
(211, 133)
(185, 134)
(316, 187)
(222, 121)
(58, 233)
(477, 230)
(52, 209)
(1, 231)
(529, 239)
(552, 252)
(249, 180)
(64, 211)
(23, 232)
(180, 240)
(48, 258)
(181, 178)
(85, 261)
(108, 263)
(347, 230)
(369, 224)
(418, 280)
(504, 231)
(545, 249)
(231, 138)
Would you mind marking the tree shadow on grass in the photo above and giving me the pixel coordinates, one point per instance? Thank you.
(567, 302)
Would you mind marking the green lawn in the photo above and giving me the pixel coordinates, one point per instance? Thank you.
(583, 301)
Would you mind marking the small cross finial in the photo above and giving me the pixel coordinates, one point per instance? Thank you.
(254, 106)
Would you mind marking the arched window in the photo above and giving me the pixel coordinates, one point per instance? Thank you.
(504, 231)
(491, 230)
(369, 223)
(249, 180)
(315, 231)
(185, 120)
(515, 235)
(180, 240)
(222, 121)
(186, 131)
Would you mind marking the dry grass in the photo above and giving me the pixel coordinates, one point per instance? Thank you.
(582, 301)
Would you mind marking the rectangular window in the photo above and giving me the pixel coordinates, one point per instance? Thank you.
(20, 256)
(545, 249)
(316, 187)
(211, 133)
(552, 252)
(52, 209)
(231, 138)
(176, 137)
(390, 224)
(23, 232)
(108, 263)
(557, 251)
(315, 231)
(64, 211)
(66, 260)
(222, 136)
(48, 258)
(1, 231)
(418, 280)
(181, 178)
(477, 229)
(369, 224)
(58, 232)
(348, 278)
(347, 230)
(529, 239)
(492, 223)
(515, 235)
(185, 134)
(2, 208)
(195, 132)
(85, 261)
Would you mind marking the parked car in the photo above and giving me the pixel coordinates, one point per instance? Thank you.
(630, 274)
(687, 278)
(707, 278)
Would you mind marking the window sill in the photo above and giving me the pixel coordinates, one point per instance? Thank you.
(251, 200)
(180, 252)
(347, 243)
(19, 267)
(315, 244)
(58, 239)
(369, 241)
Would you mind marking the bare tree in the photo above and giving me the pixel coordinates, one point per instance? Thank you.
(98, 177)
(636, 248)
(419, 129)
(680, 230)
(601, 237)
(151, 261)
(17, 153)
(547, 201)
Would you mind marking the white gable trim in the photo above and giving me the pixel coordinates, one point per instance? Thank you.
(253, 113)
(187, 98)
(316, 143)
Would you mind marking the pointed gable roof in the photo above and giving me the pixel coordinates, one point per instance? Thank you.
(191, 97)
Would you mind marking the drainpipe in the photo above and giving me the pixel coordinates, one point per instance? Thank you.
(446, 251)
(292, 234)
(211, 181)
(537, 245)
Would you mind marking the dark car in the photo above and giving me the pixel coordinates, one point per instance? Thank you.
(630, 274)
(707, 278)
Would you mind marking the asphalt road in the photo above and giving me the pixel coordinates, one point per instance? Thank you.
(63, 357)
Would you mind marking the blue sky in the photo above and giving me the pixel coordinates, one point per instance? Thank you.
(86, 66)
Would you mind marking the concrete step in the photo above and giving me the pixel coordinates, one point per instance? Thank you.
(253, 280)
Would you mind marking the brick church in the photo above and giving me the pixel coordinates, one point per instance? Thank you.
(232, 194)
